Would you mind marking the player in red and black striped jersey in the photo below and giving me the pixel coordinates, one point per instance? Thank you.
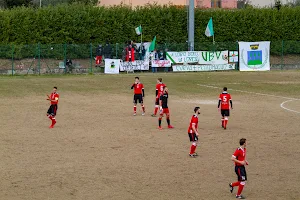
(158, 91)
(164, 109)
(139, 95)
(51, 113)
(193, 132)
(239, 159)
(224, 100)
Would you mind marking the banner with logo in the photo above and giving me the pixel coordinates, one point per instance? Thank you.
(142, 65)
(233, 57)
(160, 63)
(112, 66)
(202, 68)
(213, 57)
(254, 56)
(200, 57)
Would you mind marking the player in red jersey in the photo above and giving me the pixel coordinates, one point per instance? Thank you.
(139, 95)
(193, 132)
(239, 159)
(224, 100)
(53, 98)
(159, 90)
(164, 109)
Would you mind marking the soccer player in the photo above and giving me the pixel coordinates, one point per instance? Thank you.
(193, 132)
(139, 95)
(239, 159)
(53, 98)
(224, 100)
(164, 109)
(159, 90)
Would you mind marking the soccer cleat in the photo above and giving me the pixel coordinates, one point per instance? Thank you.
(230, 188)
(170, 126)
(143, 113)
(51, 126)
(153, 115)
(240, 197)
(224, 128)
(195, 154)
(160, 128)
(134, 114)
(192, 155)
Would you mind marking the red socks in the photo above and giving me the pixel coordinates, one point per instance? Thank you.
(155, 110)
(134, 109)
(225, 122)
(235, 184)
(241, 187)
(193, 149)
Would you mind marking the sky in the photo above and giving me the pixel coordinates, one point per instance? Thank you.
(181, 2)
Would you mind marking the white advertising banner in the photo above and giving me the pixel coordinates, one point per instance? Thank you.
(202, 68)
(160, 63)
(254, 56)
(142, 65)
(213, 57)
(112, 66)
(183, 57)
(200, 57)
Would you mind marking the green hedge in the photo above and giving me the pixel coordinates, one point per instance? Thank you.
(81, 24)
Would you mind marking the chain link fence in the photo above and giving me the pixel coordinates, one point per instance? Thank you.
(80, 58)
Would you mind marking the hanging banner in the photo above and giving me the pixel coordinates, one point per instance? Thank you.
(254, 56)
(142, 65)
(202, 68)
(160, 63)
(213, 57)
(200, 57)
(183, 57)
(233, 57)
(112, 66)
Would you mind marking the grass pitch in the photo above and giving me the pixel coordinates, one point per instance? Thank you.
(98, 150)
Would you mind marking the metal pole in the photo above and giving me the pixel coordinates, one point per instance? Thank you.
(191, 25)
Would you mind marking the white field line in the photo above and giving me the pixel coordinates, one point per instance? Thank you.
(290, 99)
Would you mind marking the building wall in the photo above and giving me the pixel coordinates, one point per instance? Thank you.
(224, 3)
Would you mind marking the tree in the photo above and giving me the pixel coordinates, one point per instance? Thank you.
(243, 4)
(293, 3)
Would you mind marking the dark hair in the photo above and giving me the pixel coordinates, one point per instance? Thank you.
(55, 87)
(225, 88)
(242, 141)
(196, 109)
(137, 77)
(160, 79)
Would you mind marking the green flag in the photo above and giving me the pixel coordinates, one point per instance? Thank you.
(138, 30)
(152, 45)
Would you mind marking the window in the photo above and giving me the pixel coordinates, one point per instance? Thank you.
(216, 3)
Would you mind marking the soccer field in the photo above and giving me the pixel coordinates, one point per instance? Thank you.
(99, 150)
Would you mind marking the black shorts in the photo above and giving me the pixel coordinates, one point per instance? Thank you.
(138, 98)
(241, 173)
(225, 113)
(52, 110)
(193, 137)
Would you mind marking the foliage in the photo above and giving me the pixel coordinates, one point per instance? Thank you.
(84, 24)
